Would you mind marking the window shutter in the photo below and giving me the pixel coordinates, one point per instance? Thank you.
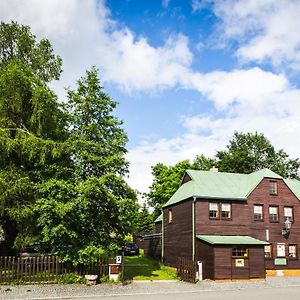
(288, 212)
(257, 209)
(213, 206)
(225, 207)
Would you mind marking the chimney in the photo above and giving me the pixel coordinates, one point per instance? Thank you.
(214, 169)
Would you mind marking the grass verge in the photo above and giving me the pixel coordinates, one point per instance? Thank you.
(145, 268)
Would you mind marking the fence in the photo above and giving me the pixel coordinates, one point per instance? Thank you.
(44, 269)
(187, 270)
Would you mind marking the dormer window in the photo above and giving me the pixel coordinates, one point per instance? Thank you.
(273, 188)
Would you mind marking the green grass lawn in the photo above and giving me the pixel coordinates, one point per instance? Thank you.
(145, 268)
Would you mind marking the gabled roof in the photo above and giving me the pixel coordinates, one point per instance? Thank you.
(158, 219)
(221, 185)
(231, 240)
(294, 185)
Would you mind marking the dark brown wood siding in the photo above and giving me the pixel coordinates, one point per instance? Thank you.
(157, 228)
(257, 262)
(243, 223)
(178, 234)
(205, 254)
(222, 262)
(218, 262)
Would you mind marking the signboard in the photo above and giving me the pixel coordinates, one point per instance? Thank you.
(118, 259)
(280, 261)
(240, 262)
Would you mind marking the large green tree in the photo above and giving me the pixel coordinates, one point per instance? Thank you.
(62, 168)
(100, 207)
(31, 136)
(250, 152)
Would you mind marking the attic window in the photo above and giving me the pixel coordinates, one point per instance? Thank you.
(273, 188)
(186, 178)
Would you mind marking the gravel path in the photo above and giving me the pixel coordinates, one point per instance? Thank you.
(76, 290)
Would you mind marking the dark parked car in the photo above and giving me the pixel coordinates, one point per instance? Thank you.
(131, 249)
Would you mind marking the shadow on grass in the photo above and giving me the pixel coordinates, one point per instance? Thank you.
(145, 268)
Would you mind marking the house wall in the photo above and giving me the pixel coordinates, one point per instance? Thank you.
(243, 223)
(178, 234)
(222, 262)
(205, 253)
(257, 262)
(151, 246)
(158, 226)
(219, 264)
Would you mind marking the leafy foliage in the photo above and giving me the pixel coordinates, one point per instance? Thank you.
(145, 220)
(166, 181)
(61, 167)
(92, 212)
(248, 152)
(19, 44)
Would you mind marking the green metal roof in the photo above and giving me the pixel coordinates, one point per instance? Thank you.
(231, 240)
(294, 185)
(221, 185)
(158, 219)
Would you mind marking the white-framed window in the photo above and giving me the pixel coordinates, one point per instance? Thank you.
(226, 210)
(280, 250)
(268, 251)
(293, 251)
(213, 210)
(273, 214)
(273, 187)
(288, 214)
(258, 212)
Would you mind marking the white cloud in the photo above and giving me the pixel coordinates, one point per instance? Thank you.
(247, 101)
(200, 4)
(84, 34)
(265, 30)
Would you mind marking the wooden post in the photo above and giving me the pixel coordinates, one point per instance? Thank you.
(56, 267)
(123, 268)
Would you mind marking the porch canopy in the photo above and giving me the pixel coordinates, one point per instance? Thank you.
(230, 240)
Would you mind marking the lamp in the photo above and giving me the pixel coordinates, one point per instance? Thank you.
(287, 226)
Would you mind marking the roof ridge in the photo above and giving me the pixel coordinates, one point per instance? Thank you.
(222, 185)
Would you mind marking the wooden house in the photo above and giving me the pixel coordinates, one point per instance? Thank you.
(237, 225)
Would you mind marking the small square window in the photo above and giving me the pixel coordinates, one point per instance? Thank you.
(273, 188)
(214, 210)
(268, 251)
(292, 251)
(273, 214)
(258, 212)
(239, 252)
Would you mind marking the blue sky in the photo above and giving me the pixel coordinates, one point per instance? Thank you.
(186, 73)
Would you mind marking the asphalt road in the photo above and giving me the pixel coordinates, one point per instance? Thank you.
(280, 293)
